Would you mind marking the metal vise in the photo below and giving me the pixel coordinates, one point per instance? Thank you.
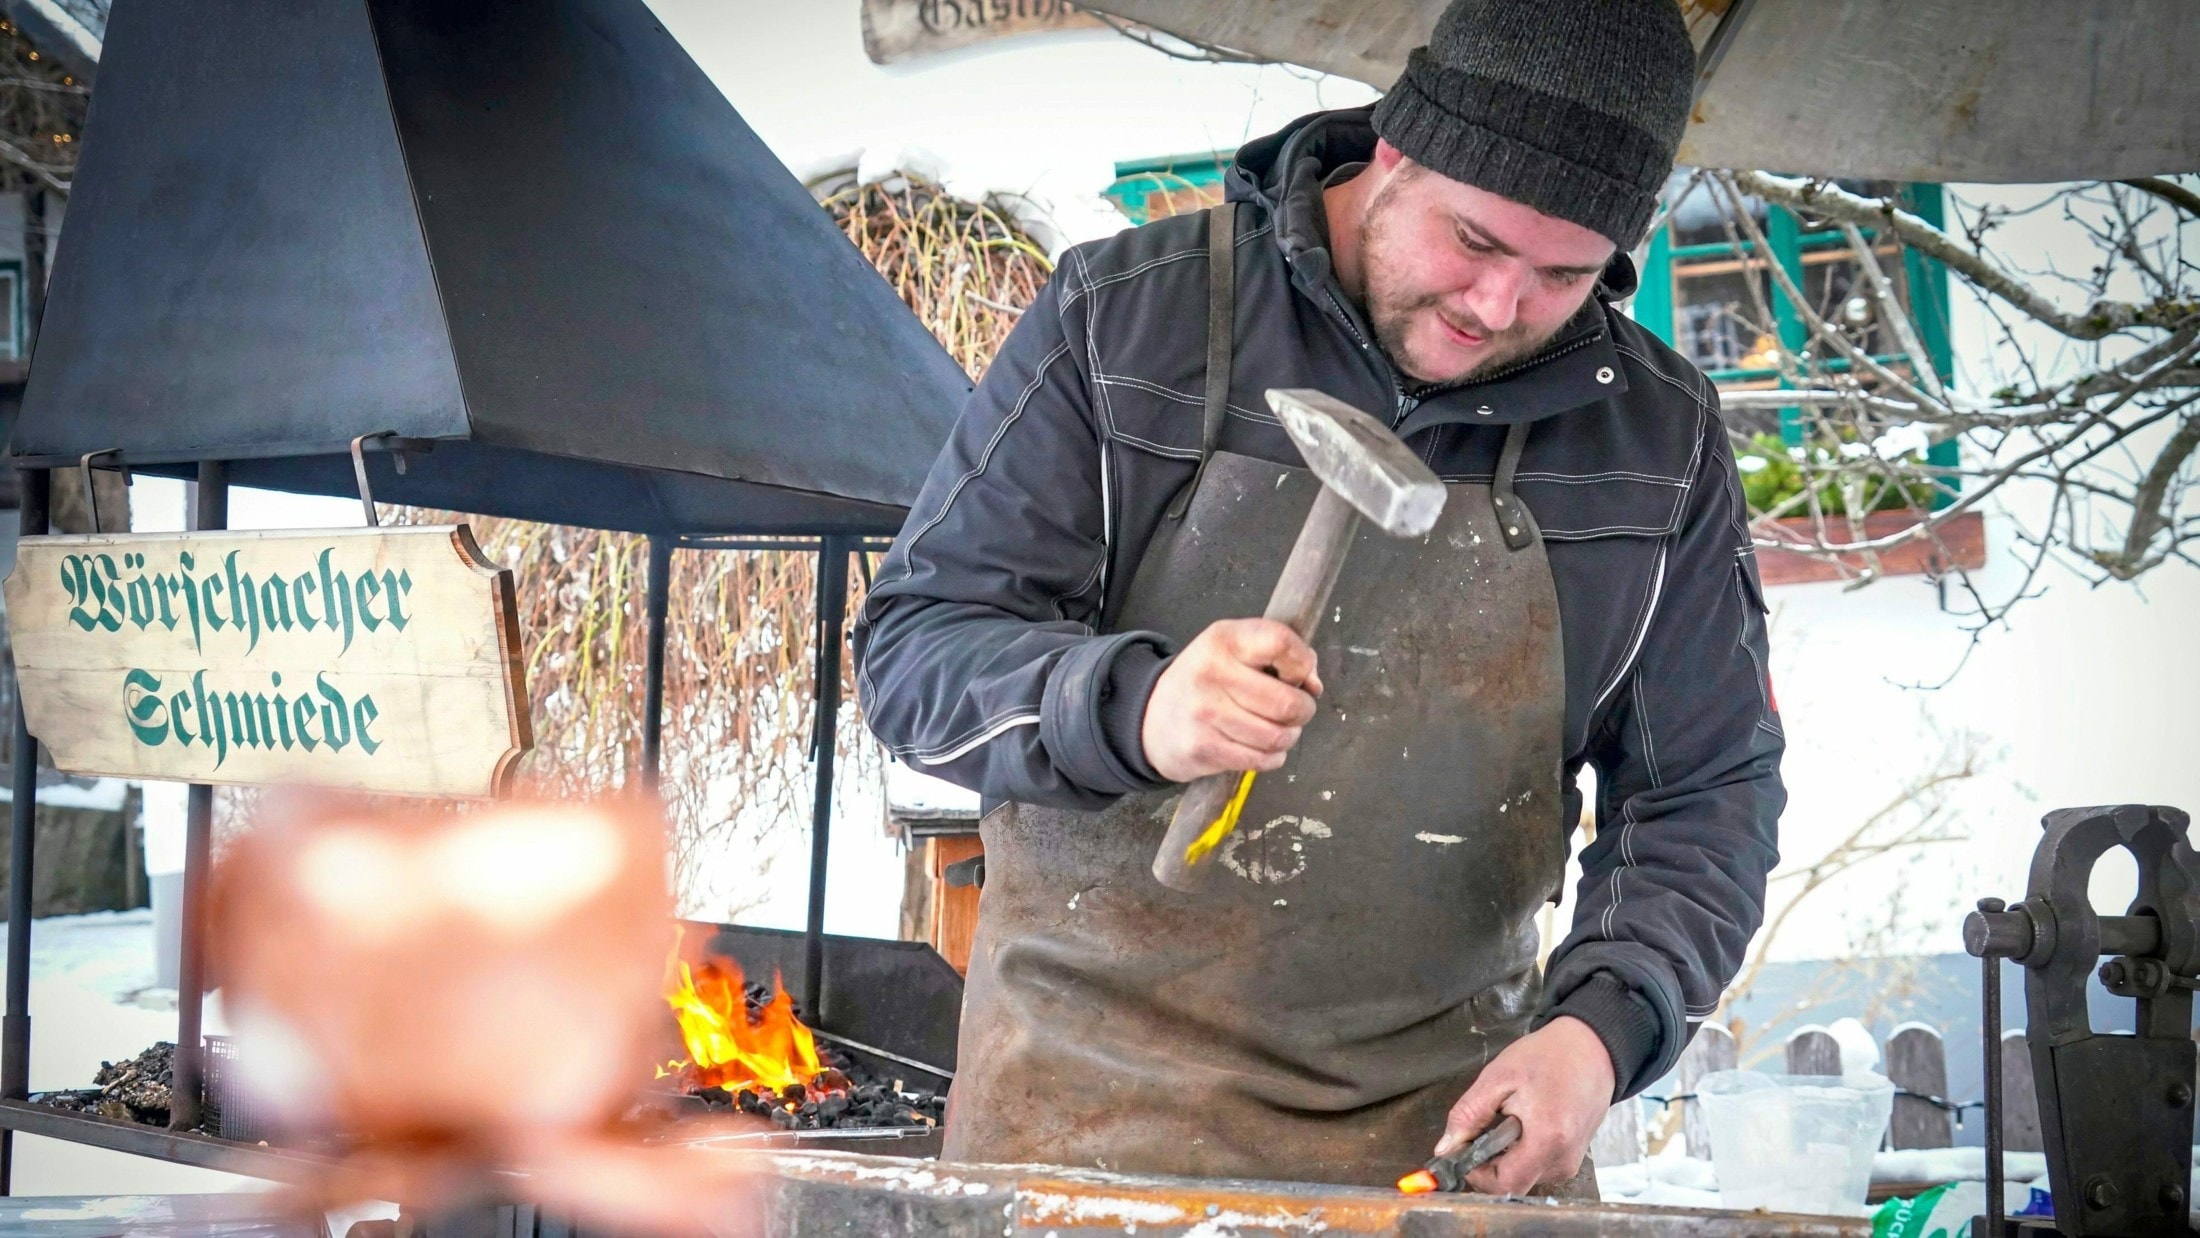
(2116, 1111)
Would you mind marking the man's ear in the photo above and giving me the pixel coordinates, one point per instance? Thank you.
(1387, 157)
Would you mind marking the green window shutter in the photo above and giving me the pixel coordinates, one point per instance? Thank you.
(1654, 298)
(1149, 189)
(1928, 280)
(1783, 233)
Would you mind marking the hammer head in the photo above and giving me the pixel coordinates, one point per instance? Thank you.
(1359, 458)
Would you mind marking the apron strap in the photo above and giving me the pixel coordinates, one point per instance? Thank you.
(1512, 515)
(1221, 330)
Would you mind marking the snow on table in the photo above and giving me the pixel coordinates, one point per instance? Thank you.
(1676, 1179)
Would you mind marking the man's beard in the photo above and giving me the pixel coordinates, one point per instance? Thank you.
(1391, 311)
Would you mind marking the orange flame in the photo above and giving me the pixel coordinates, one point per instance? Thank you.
(724, 1048)
(1419, 1182)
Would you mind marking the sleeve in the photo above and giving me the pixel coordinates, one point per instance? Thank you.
(976, 654)
(1688, 780)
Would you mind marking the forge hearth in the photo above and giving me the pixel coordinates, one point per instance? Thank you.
(854, 1106)
(749, 1051)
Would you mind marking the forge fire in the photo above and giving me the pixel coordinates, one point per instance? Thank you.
(748, 1050)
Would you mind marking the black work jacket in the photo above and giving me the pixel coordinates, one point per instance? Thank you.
(988, 655)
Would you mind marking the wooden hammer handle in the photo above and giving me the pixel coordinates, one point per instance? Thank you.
(1301, 592)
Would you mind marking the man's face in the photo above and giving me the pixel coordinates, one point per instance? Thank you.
(1460, 281)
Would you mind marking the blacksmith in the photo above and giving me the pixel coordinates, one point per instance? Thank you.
(1061, 627)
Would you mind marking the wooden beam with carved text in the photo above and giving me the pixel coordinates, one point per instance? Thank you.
(380, 660)
(898, 30)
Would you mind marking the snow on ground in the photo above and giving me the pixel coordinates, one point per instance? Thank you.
(90, 1003)
(1674, 1179)
(99, 794)
(1954, 1165)
(1669, 1178)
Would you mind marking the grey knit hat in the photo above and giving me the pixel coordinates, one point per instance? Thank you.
(1573, 107)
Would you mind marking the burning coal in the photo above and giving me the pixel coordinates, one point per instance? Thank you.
(748, 1051)
(730, 1047)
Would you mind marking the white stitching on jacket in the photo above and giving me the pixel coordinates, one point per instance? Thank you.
(1579, 479)
(938, 756)
(1559, 479)
(1627, 819)
(1023, 398)
(1106, 407)
(1091, 577)
(1741, 638)
(909, 550)
(1583, 535)
(1694, 393)
(1642, 633)
(1147, 385)
(1158, 449)
(1094, 285)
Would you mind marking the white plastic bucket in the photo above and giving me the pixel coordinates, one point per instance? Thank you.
(1795, 1143)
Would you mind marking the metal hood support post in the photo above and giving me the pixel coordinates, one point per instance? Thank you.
(530, 230)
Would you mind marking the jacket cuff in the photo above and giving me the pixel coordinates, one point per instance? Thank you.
(1622, 1020)
(1095, 707)
(1123, 708)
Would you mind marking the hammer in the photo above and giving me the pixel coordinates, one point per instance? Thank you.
(1365, 471)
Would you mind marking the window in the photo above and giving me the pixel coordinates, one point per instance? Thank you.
(1728, 311)
(1706, 292)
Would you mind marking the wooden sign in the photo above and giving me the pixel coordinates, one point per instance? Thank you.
(898, 30)
(382, 660)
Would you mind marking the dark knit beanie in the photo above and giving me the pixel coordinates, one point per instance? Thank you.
(1573, 107)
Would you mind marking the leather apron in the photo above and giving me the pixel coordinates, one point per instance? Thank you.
(1371, 944)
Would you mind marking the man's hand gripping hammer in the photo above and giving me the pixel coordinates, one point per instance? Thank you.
(1365, 471)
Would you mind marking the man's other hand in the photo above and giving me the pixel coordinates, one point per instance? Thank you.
(1233, 699)
(1558, 1081)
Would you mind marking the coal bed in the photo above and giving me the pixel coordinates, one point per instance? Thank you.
(849, 1093)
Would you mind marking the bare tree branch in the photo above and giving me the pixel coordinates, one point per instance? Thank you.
(1820, 329)
(16, 155)
(1839, 205)
(2148, 517)
(1146, 36)
(2168, 191)
(1881, 833)
(2103, 424)
(1890, 308)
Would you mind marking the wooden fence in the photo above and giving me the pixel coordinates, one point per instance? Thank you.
(1914, 1058)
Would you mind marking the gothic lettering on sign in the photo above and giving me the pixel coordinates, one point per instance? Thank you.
(380, 660)
(948, 16)
(898, 30)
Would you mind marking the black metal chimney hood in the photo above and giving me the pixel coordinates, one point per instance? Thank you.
(531, 231)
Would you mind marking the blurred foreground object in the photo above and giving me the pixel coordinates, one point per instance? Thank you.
(447, 996)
